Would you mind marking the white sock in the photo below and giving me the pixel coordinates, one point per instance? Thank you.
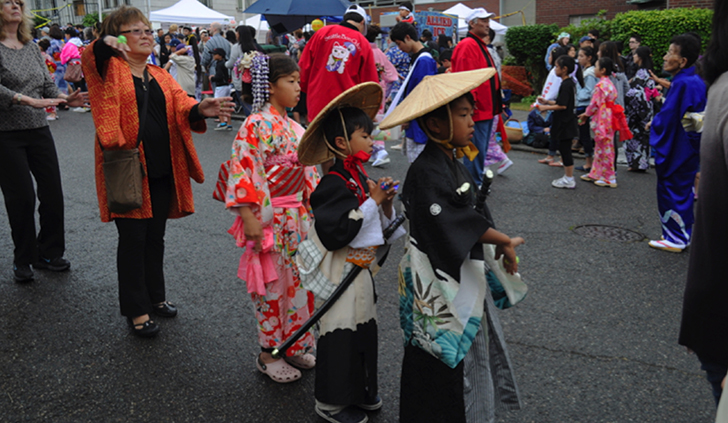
(569, 178)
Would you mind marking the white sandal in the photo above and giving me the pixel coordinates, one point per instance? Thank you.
(305, 362)
(278, 370)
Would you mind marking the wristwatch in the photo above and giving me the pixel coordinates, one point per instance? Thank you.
(17, 97)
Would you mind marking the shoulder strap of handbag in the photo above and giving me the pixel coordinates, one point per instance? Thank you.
(144, 107)
(144, 111)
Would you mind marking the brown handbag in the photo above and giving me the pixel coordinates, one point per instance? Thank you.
(73, 71)
(123, 170)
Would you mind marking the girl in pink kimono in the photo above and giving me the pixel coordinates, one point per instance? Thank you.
(268, 190)
(606, 117)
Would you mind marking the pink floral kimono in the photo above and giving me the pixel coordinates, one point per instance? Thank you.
(265, 175)
(600, 110)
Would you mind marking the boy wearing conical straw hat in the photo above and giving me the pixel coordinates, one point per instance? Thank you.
(351, 212)
(453, 338)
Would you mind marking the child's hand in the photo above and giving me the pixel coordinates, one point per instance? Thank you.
(582, 118)
(541, 100)
(509, 254)
(376, 192)
(383, 191)
(251, 227)
(538, 107)
(391, 191)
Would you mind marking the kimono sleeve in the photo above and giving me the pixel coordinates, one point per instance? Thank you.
(443, 224)
(673, 146)
(247, 184)
(337, 217)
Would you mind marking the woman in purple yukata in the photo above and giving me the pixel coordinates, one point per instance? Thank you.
(677, 149)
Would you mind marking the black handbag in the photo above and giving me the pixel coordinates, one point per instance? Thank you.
(123, 169)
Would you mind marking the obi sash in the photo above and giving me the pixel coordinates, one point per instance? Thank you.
(619, 121)
(286, 176)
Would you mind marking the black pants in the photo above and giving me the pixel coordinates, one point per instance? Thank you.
(565, 149)
(23, 153)
(585, 134)
(140, 256)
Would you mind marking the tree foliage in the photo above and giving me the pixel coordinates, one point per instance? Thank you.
(528, 45)
(657, 27)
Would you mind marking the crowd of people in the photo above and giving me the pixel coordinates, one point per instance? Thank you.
(304, 231)
(595, 100)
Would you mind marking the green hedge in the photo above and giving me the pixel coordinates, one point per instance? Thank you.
(528, 45)
(657, 27)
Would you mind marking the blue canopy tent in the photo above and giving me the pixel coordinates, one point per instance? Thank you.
(287, 15)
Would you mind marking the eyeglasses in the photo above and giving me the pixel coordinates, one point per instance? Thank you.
(137, 32)
(20, 3)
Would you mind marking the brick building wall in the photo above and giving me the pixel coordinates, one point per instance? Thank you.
(489, 5)
(703, 4)
(559, 11)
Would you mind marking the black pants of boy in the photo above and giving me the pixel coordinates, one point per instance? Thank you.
(140, 255)
(565, 149)
(23, 153)
(585, 134)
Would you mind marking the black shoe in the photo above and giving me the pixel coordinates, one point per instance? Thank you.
(57, 264)
(148, 329)
(347, 415)
(371, 404)
(23, 273)
(166, 309)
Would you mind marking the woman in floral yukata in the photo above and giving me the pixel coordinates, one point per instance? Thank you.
(640, 99)
(268, 190)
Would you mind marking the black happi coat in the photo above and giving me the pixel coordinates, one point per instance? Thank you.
(346, 362)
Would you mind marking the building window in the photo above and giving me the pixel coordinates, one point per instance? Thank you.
(576, 20)
(207, 3)
(79, 8)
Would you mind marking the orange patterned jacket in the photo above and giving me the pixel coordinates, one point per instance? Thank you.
(116, 117)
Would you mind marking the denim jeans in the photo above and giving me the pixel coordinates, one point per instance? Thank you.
(481, 138)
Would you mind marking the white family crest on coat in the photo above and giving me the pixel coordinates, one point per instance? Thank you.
(435, 209)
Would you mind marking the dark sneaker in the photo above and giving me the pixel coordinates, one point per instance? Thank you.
(23, 273)
(57, 264)
(347, 415)
(371, 404)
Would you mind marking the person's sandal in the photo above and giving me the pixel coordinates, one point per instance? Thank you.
(279, 370)
(556, 164)
(147, 329)
(546, 160)
(165, 309)
(305, 362)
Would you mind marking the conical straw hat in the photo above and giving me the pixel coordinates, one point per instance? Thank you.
(312, 148)
(433, 92)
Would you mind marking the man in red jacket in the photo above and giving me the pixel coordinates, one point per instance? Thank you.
(472, 53)
(335, 59)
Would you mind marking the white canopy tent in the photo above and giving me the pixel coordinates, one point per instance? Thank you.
(261, 27)
(462, 11)
(190, 12)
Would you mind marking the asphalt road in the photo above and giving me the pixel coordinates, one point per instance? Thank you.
(595, 340)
